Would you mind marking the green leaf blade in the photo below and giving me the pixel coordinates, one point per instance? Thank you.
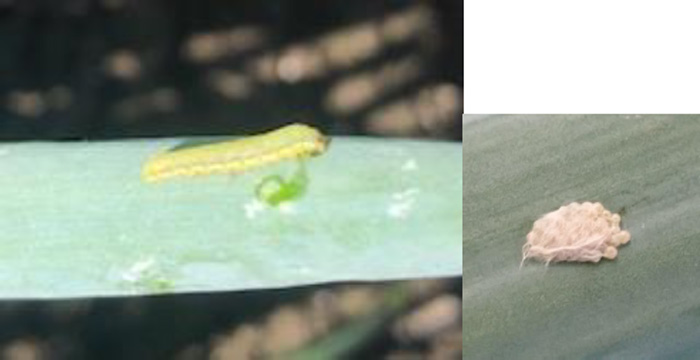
(77, 221)
(644, 304)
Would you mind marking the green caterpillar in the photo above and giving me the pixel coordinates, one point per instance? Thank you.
(295, 141)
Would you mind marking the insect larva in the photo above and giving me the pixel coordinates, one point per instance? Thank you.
(295, 141)
(576, 232)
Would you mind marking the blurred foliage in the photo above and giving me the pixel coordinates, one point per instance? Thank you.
(404, 319)
(81, 69)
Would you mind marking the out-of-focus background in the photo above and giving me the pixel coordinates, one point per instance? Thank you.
(109, 69)
(341, 321)
(88, 69)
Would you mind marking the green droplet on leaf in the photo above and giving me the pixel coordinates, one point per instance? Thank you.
(274, 190)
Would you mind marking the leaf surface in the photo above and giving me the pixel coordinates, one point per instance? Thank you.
(77, 221)
(644, 304)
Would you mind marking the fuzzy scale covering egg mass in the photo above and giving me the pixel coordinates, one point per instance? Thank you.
(576, 232)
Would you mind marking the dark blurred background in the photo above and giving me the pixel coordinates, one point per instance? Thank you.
(88, 69)
(109, 69)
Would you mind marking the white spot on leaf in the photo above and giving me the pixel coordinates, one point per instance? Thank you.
(410, 165)
(287, 208)
(253, 208)
(138, 270)
(402, 203)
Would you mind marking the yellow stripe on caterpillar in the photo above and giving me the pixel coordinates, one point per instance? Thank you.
(295, 141)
